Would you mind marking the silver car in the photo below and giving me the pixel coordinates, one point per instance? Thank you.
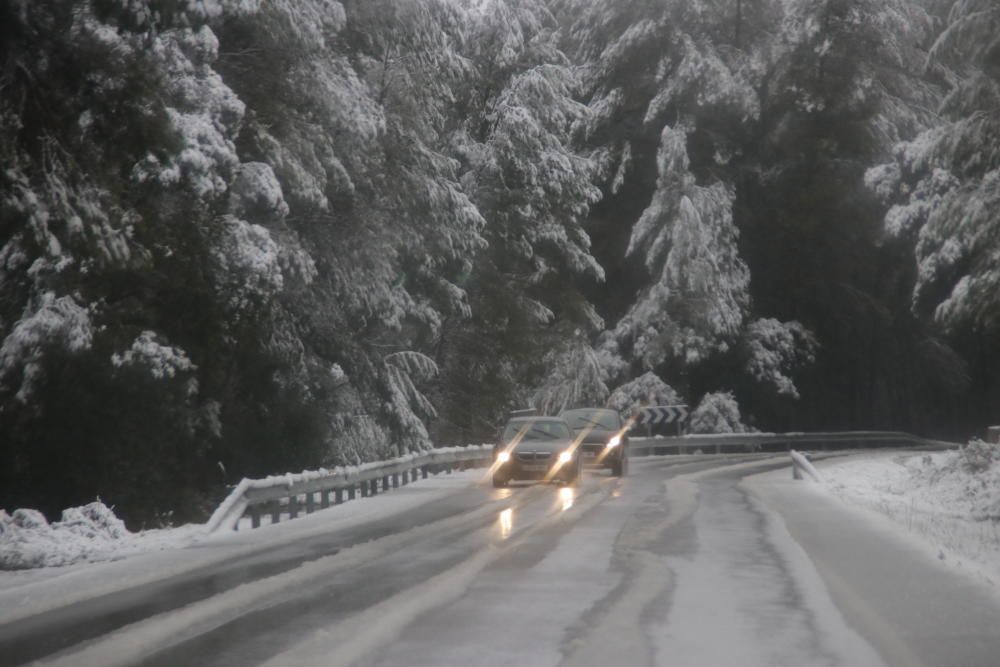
(603, 437)
(536, 448)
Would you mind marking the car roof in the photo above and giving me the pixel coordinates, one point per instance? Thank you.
(566, 412)
(521, 420)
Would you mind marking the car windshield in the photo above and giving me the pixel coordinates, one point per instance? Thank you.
(581, 419)
(537, 430)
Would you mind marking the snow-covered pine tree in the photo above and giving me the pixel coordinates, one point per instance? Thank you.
(355, 118)
(534, 189)
(125, 281)
(699, 300)
(662, 78)
(573, 378)
(944, 185)
(774, 349)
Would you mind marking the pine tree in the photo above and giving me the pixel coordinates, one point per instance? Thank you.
(534, 188)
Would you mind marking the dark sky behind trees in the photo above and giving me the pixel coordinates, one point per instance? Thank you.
(242, 237)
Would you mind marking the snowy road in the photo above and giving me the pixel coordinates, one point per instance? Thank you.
(679, 564)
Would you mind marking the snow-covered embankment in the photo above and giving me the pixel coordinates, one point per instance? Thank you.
(949, 499)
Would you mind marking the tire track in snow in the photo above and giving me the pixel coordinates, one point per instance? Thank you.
(611, 632)
(345, 643)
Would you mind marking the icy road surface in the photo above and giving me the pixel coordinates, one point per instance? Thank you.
(686, 564)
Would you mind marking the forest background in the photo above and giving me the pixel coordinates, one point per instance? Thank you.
(239, 237)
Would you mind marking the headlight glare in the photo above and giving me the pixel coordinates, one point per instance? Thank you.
(565, 457)
(503, 457)
(615, 441)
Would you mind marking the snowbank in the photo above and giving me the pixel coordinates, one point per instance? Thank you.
(25, 593)
(951, 499)
(93, 532)
(88, 533)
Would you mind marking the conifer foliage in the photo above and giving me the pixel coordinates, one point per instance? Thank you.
(242, 237)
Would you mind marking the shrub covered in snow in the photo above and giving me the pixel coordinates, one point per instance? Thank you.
(966, 479)
(979, 456)
(162, 361)
(27, 540)
(647, 389)
(717, 413)
(951, 498)
(56, 322)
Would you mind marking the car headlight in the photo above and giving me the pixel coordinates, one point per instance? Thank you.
(503, 457)
(615, 441)
(565, 457)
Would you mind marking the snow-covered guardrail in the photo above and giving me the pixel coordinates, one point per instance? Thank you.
(732, 443)
(802, 464)
(307, 491)
(292, 494)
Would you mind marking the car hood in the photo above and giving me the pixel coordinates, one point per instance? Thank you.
(542, 445)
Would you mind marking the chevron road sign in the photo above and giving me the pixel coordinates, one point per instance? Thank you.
(662, 414)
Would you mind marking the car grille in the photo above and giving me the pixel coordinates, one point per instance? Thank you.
(533, 457)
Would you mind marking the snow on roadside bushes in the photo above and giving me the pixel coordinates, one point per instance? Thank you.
(88, 533)
(967, 481)
(27, 540)
(93, 533)
(717, 413)
(951, 498)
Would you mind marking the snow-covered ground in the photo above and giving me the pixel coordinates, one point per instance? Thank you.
(140, 558)
(651, 569)
(892, 585)
(84, 534)
(950, 500)
(93, 533)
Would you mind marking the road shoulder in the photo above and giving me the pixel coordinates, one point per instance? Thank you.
(29, 593)
(913, 609)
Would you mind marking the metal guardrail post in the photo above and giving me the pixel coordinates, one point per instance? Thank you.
(801, 464)
(275, 511)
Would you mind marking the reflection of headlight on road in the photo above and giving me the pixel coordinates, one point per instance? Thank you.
(565, 457)
(506, 523)
(566, 498)
(614, 442)
(503, 457)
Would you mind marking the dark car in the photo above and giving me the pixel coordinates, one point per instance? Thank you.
(536, 448)
(603, 437)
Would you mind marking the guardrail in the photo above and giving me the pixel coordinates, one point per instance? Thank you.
(293, 494)
(738, 443)
(306, 492)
